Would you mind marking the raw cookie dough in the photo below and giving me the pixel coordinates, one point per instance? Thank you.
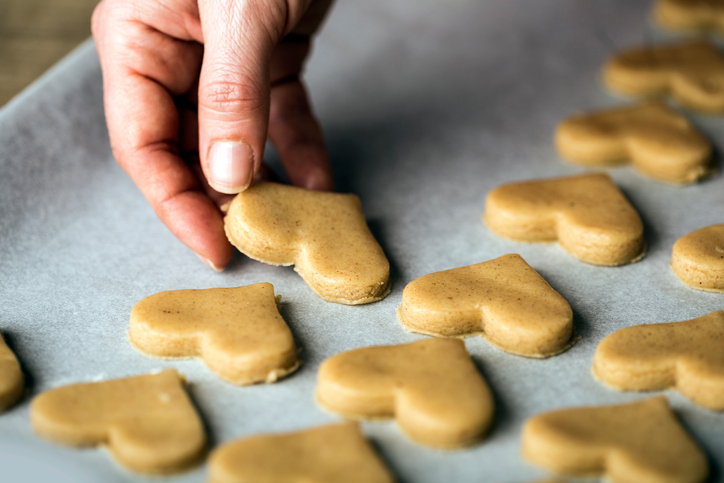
(655, 139)
(12, 383)
(147, 422)
(431, 388)
(698, 259)
(687, 356)
(503, 300)
(690, 14)
(338, 453)
(237, 332)
(636, 442)
(692, 73)
(587, 214)
(324, 235)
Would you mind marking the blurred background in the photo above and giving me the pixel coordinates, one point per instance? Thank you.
(34, 34)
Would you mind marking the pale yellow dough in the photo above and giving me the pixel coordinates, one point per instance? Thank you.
(237, 332)
(430, 387)
(338, 453)
(690, 14)
(147, 422)
(12, 383)
(692, 73)
(687, 356)
(641, 442)
(503, 300)
(324, 235)
(698, 259)
(587, 214)
(658, 142)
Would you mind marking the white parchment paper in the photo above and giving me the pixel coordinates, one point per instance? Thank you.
(426, 105)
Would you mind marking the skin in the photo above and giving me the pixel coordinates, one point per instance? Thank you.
(192, 90)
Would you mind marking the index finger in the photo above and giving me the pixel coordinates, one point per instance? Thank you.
(143, 126)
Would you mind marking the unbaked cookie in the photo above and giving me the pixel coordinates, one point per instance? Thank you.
(655, 139)
(431, 388)
(587, 214)
(635, 442)
(147, 422)
(324, 235)
(12, 383)
(338, 453)
(698, 259)
(692, 73)
(503, 300)
(687, 356)
(237, 332)
(690, 14)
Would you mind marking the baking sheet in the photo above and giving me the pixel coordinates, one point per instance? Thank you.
(426, 106)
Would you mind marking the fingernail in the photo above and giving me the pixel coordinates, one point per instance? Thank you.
(231, 166)
(208, 263)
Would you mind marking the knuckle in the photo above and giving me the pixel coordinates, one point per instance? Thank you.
(99, 18)
(96, 20)
(233, 96)
(108, 18)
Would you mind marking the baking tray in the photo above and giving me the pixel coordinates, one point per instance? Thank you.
(426, 106)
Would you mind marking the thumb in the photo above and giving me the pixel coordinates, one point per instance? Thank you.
(234, 87)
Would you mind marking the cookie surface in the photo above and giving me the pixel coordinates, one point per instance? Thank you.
(237, 332)
(655, 139)
(324, 235)
(692, 73)
(147, 422)
(687, 356)
(587, 214)
(635, 442)
(431, 387)
(12, 382)
(690, 14)
(338, 453)
(698, 258)
(503, 300)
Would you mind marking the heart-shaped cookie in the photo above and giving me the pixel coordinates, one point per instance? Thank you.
(324, 235)
(687, 356)
(587, 214)
(147, 422)
(338, 453)
(627, 443)
(659, 142)
(690, 14)
(698, 258)
(237, 332)
(692, 73)
(431, 388)
(503, 300)
(12, 383)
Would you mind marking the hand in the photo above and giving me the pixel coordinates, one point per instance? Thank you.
(191, 89)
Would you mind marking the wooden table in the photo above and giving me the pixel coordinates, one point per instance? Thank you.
(34, 34)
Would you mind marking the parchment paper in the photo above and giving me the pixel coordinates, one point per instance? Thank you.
(426, 106)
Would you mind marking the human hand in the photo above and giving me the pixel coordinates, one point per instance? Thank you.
(192, 88)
